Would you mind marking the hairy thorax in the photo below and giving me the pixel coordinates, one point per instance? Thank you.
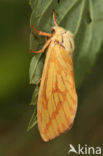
(64, 38)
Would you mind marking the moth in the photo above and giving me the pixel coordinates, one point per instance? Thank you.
(57, 98)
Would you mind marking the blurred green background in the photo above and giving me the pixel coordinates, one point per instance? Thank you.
(16, 93)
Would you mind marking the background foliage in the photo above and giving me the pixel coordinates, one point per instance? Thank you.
(15, 90)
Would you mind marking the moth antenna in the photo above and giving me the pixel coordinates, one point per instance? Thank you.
(54, 19)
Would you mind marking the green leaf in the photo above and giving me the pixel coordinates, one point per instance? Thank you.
(88, 39)
(83, 18)
(36, 67)
(33, 120)
(35, 95)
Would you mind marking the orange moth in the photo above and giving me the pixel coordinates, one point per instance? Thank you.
(57, 98)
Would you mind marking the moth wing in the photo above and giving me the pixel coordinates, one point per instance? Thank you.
(57, 100)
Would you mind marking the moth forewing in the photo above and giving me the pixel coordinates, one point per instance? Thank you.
(57, 98)
(57, 101)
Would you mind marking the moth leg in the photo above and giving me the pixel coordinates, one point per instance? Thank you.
(38, 82)
(41, 33)
(43, 49)
(54, 19)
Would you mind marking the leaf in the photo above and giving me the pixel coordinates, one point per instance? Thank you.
(33, 120)
(83, 18)
(88, 39)
(36, 67)
(35, 95)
